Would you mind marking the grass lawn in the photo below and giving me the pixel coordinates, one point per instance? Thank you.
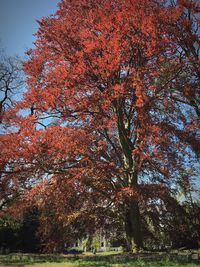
(101, 259)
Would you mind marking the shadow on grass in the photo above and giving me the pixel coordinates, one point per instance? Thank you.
(139, 260)
(118, 260)
(20, 259)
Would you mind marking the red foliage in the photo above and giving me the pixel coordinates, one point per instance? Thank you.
(105, 83)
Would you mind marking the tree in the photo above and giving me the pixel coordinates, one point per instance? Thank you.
(100, 139)
(10, 81)
(186, 91)
(20, 233)
(188, 44)
(181, 225)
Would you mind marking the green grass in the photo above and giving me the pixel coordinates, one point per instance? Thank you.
(101, 259)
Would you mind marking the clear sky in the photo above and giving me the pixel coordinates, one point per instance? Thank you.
(18, 23)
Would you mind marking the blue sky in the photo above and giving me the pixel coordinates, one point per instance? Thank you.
(18, 23)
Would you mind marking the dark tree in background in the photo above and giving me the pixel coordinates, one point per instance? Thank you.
(20, 234)
(11, 81)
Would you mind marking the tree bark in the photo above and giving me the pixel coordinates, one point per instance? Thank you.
(133, 227)
(132, 216)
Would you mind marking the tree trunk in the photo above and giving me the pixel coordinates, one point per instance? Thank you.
(132, 216)
(133, 227)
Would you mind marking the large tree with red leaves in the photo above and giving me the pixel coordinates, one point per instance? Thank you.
(107, 127)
